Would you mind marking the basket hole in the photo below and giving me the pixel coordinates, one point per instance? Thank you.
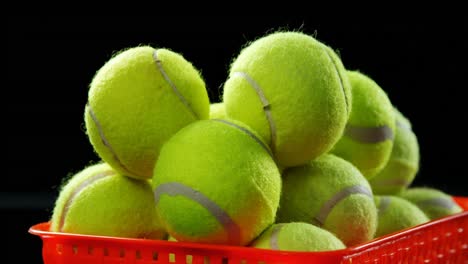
(90, 250)
(155, 255)
(138, 254)
(105, 252)
(75, 249)
(171, 257)
(59, 248)
(122, 253)
(224, 260)
(206, 260)
(188, 258)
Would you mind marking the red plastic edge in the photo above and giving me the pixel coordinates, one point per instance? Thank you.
(41, 230)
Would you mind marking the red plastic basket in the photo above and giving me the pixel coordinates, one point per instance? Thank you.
(440, 241)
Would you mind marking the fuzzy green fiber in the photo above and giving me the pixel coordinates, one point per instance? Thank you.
(137, 101)
(293, 90)
(297, 237)
(217, 111)
(396, 214)
(216, 182)
(403, 164)
(368, 138)
(332, 185)
(434, 203)
(99, 201)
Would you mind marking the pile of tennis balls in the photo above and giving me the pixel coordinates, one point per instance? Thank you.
(301, 155)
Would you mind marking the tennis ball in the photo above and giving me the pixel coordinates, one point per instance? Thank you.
(331, 193)
(136, 101)
(396, 214)
(217, 111)
(216, 182)
(293, 90)
(434, 203)
(99, 201)
(403, 164)
(297, 237)
(368, 138)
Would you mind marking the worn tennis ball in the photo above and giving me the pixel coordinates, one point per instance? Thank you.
(434, 203)
(403, 164)
(331, 193)
(297, 237)
(137, 101)
(293, 90)
(217, 111)
(99, 201)
(368, 138)
(216, 182)
(396, 214)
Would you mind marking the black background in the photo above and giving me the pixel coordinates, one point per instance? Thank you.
(51, 60)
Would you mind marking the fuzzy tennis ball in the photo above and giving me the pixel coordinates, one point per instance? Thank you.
(136, 101)
(99, 201)
(403, 164)
(331, 193)
(293, 90)
(297, 237)
(216, 182)
(434, 203)
(217, 111)
(368, 138)
(396, 214)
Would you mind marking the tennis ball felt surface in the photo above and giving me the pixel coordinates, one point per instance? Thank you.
(293, 90)
(434, 203)
(331, 193)
(136, 101)
(217, 111)
(396, 214)
(216, 182)
(297, 237)
(368, 138)
(401, 168)
(99, 201)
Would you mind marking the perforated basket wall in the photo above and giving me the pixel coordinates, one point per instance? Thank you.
(441, 241)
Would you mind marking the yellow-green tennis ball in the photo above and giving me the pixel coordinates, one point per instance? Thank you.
(293, 90)
(403, 164)
(396, 214)
(137, 101)
(217, 111)
(297, 237)
(331, 193)
(434, 203)
(99, 201)
(368, 138)
(216, 182)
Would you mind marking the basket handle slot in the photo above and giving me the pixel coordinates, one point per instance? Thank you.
(155, 256)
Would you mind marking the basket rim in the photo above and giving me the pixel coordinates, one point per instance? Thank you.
(41, 230)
